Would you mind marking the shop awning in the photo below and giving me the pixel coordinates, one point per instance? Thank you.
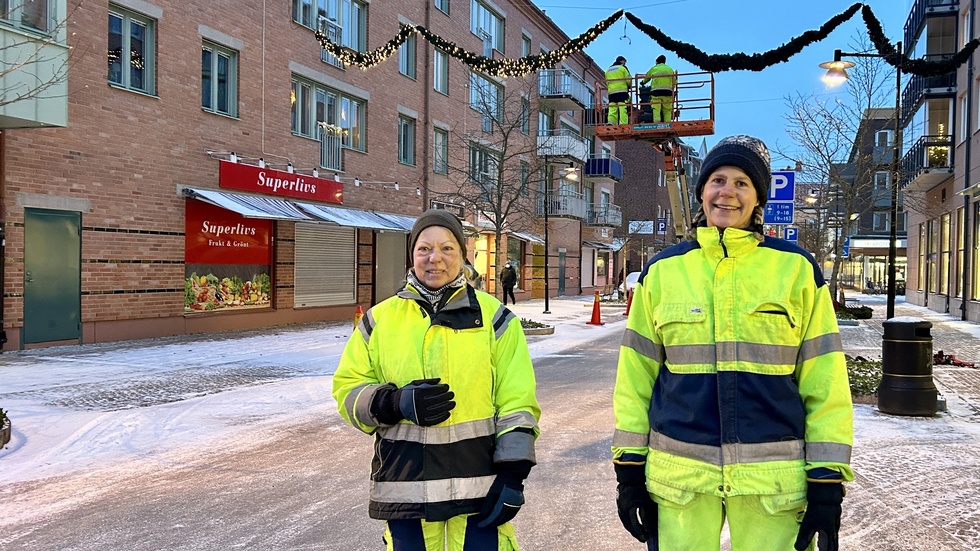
(527, 237)
(351, 218)
(249, 206)
(400, 220)
(598, 245)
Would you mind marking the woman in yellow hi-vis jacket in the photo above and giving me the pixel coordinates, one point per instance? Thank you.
(441, 375)
(731, 399)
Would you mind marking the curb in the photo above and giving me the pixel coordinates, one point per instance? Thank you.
(549, 330)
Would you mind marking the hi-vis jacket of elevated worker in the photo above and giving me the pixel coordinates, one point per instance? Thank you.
(617, 79)
(731, 378)
(660, 77)
(476, 346)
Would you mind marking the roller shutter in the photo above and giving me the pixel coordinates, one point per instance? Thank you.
(326, 265)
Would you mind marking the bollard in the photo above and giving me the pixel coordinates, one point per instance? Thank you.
(906, 385)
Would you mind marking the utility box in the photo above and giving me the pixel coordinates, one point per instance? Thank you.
(906, 386)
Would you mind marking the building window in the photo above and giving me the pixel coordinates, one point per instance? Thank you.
(933, 256)
(314, 104)
(880, 222)
(440, 72)
(525, 116)
(960, 237)
(945, 246)
(881, 181)
(406, 140)
(29, 14)
(920, 284)
(406, 57)
(219, 79)
(131, 38)
(349, 16)
(483, 170)
(964, 119)
(486, 24)
(544, 122)
(440, 153)
(486, 96)
(525, 45)
(525, 178)
(443, 6)
(883, 138)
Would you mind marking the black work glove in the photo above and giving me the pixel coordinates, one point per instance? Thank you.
(424, 402)
(822, 515)
(506, 494)
(637, 511)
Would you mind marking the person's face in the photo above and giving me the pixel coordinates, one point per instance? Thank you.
(437, 257)
(729, 198)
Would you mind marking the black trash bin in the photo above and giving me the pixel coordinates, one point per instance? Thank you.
(906, 368)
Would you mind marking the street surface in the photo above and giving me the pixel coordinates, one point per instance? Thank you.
(155, 464)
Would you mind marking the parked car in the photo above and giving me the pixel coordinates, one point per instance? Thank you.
(629, 283)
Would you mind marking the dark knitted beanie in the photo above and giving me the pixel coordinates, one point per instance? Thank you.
(744, 152)
(439, 217)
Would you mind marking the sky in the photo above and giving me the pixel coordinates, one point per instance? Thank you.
(746, 102)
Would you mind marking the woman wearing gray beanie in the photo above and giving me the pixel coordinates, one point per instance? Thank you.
(731, 399)
(441, 376)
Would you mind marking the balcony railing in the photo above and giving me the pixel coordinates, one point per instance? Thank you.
(922, 9)
(928, 162)
(563, 145)
(563, 204)
(604, 215)
(918, 86)
(563, 89)
(604, 168)
(331, 147)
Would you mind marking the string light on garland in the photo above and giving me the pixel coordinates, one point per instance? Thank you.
(715, 63)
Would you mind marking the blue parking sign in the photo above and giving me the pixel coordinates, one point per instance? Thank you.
(791, 233)
(783, 186)
(778, 213)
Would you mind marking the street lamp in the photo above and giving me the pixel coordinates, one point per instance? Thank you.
(837, 74)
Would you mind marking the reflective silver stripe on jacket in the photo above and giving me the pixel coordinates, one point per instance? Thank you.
(409, 432)
(431, 491)
(643, 346)
(818, 346)
(358, 403)
(501, 319)
(366, 325)
(624, 439)
(729, 454)
(514, 446)
(828, 452)
(730, 351)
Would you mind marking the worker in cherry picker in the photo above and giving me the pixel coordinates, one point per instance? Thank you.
(618, 87)
(662, 80)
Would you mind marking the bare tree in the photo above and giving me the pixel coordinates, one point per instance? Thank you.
(498, 172)
(834, 142)
(32, 63)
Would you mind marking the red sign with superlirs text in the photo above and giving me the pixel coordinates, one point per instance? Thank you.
(214, 235)
(281, 184)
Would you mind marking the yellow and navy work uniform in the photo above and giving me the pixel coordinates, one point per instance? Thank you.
(432, 474)
(618, 87)
(731, 388)
(661, 79)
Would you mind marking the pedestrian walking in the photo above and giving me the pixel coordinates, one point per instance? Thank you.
(508, 279)
(440, 375)
(731, 398)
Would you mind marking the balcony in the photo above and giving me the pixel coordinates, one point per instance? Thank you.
(36, 71)
(920, 88)
(923, 9)
(562, 146)
(605, 170)
(562, 89)
(604, 215)
(927, 164)
(563, 204)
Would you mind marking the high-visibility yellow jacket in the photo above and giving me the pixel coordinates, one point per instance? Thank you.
(660, 77)
(476, 346)
(618, 79)
(731, 378)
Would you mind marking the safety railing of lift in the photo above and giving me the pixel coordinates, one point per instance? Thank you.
(928, 152)
(917, 86)
(693, 98)
(563, 83)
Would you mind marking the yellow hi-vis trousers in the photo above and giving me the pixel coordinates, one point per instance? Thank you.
(755, 523)
(455, 534)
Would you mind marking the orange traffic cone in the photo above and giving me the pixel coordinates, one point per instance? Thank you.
(358, 314)
(629, 302)
(596, 320)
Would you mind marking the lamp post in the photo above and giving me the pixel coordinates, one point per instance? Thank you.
(836, 74)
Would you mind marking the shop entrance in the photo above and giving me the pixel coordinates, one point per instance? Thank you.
(52, 275)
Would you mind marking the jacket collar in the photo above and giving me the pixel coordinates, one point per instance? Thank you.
(731, 243)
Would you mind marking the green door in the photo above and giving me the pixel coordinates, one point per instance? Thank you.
(52, 275)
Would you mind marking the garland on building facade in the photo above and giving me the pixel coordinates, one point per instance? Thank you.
(715, 63)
